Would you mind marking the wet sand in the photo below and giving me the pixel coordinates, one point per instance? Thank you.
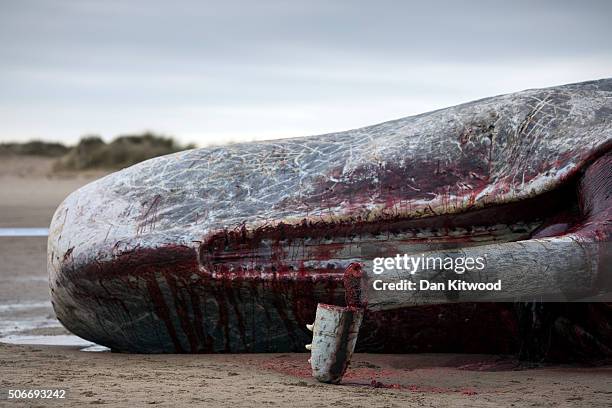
(118, 380)
(28, 199)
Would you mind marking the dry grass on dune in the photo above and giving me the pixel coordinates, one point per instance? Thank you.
(93, 153)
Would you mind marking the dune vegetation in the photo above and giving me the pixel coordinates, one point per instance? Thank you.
(92, 152)
(34, 148)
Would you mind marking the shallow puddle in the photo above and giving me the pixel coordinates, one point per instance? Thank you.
(57, 340)
(19, 323)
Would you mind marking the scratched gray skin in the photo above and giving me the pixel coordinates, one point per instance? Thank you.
(495, 150)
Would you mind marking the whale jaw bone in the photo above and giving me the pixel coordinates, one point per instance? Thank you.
(335, 333)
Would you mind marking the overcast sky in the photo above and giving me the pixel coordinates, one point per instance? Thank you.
(212, 72)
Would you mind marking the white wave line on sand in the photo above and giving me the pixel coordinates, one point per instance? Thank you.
(23, 306)
(24, 232)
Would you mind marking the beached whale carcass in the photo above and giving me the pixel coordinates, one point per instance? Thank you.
(229, 249)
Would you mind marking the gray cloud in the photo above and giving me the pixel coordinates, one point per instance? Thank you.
(210, 72)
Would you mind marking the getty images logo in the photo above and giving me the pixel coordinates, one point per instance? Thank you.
(413, 264)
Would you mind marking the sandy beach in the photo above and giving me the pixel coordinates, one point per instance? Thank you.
(29, 193)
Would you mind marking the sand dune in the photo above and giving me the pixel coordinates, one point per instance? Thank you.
(30, 190)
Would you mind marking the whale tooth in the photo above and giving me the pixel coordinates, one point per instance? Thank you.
(309, 347)
(310, 326)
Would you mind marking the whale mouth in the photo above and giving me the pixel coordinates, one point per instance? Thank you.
(317, 247)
